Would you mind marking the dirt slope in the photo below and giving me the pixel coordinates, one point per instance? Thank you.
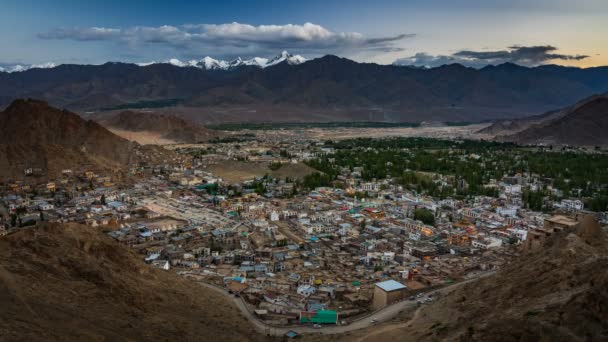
(72, 283)
(169, 127)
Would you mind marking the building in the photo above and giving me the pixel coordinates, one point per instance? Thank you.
(554, 225)
(319, 317)
(387, 293)
(306, 290)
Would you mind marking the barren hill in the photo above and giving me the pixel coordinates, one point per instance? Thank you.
(36, 135)
(167, 127)
(72, 283)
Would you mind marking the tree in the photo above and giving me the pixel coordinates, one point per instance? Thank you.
(363, 224)
(424, 215)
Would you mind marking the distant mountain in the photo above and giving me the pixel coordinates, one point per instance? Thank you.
(23, 67)
(36, 135)
(323, 89)
(69, 282)
(169, 127)
(584, 124)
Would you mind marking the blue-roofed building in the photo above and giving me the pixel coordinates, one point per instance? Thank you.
(118, 206)
(387, 293)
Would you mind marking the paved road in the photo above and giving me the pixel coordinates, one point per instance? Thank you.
(382, 315)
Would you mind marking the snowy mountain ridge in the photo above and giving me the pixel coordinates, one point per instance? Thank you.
(209, 63)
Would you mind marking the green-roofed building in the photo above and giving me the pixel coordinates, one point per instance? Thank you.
(319, 317)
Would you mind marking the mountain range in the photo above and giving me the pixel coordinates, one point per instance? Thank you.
(207, 63)
(323, 89)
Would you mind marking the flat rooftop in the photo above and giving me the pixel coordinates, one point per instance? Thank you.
(390, 285)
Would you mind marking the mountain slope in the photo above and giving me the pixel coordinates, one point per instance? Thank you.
(167, 126)
(584, 124)
(71, 282)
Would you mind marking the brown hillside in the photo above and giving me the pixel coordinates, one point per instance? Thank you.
(36, 135)
(72, 283)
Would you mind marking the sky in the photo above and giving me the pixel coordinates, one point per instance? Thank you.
(419, 32)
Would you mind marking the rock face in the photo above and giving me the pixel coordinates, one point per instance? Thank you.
(73, 283)
(168, 126)
(36, 135)
(558, 292)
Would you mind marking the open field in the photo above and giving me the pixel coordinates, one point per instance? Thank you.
(321, 134)
(143, 138)
(234, 171)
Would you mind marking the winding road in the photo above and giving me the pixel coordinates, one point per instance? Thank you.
(374, 318)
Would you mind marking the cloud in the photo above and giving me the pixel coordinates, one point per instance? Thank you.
(523, 55)
(232, 37)
(85, 34)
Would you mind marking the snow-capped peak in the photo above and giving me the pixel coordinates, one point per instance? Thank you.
(20, 67)
(286, 57)
(209, 63)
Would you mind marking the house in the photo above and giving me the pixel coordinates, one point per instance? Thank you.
(44, 206)
(162, 264)
(319, 317)
(306, 290)
(388, 292)
(118, 206)
(274, 216)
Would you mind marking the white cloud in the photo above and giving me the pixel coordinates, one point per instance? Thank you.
(232, 37)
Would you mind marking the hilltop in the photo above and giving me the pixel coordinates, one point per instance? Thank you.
(71, 282)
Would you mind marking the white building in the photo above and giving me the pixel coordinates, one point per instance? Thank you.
(306, 290)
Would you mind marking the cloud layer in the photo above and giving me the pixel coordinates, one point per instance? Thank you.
(523, 55)
(232, 38)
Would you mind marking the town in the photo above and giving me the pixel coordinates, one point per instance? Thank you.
(310, 233)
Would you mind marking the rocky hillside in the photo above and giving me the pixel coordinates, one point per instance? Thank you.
(168, 127)
(73, 283)
(36, 135)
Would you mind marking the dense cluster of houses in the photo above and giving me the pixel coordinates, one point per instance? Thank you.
(292, 257)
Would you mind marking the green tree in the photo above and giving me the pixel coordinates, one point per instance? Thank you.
(424, 215)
